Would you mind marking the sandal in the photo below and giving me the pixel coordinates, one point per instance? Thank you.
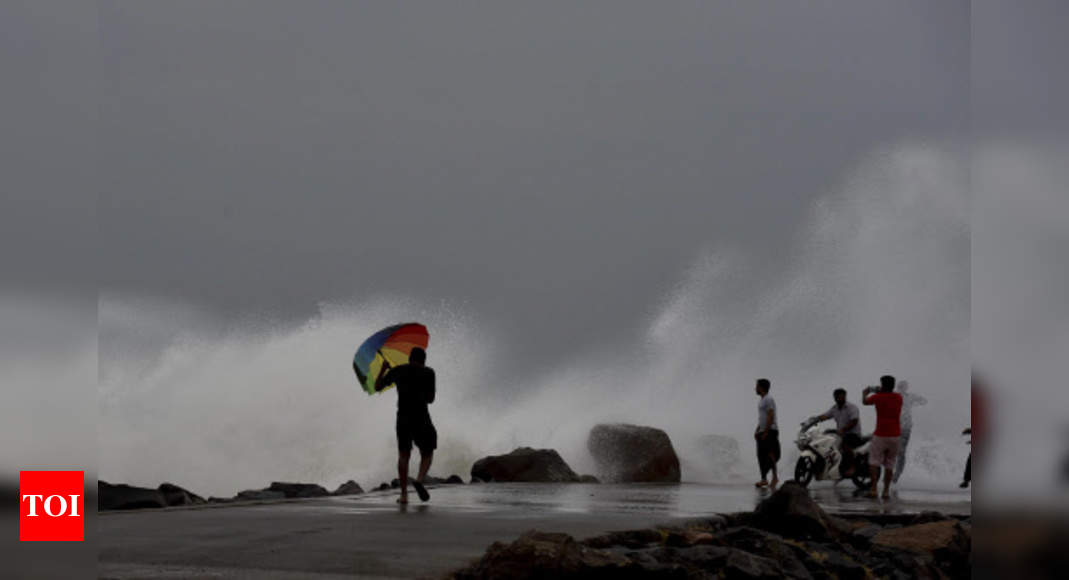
(421, 491)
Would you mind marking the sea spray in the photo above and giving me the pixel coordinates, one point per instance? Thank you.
(877, 282)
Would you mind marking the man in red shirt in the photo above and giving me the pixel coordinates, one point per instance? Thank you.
(884, 447)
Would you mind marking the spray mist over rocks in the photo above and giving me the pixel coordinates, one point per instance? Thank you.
(877, 282)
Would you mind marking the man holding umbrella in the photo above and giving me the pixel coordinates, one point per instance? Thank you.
(415, 390)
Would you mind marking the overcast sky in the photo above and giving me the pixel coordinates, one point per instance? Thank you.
(551, 167)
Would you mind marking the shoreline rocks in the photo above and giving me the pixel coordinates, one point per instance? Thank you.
(524, 465)
(348, 488)
(633, 453)
(296, 490)
(127, 497)
(811, 544)
(258, 495)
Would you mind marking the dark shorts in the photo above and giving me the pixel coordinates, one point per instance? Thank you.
(768, 451)
(420, 431)
(852, 441)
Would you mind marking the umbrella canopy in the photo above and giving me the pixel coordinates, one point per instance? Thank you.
(393, 345)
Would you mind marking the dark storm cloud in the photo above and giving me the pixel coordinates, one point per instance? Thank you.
(1019, 87)
(48, 111)
(550, 167)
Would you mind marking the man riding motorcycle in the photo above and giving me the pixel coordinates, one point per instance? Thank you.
(847, 423)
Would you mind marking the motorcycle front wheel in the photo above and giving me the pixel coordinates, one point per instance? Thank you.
(803, 470)
(862, 478)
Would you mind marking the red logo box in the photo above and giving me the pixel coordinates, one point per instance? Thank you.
(51, 506)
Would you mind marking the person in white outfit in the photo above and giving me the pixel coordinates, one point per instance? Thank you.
(909, 399)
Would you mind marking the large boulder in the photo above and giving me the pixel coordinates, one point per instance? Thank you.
(524, 464)
(174, 495)
(632, 453)
(792, 513)
(349, 488)
(292, 490)
(127, 497)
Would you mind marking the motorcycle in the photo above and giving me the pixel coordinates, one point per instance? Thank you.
(821, 459)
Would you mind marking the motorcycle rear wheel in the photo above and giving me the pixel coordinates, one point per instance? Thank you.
(803, 471)
(861, 477)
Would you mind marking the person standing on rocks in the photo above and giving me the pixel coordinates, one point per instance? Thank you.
(415, 390)
(767, 434)
(884, 447)
(909, 400)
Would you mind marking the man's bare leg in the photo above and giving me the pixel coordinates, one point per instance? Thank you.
(775, 478)
(424, 465)
(874, 471)
(887, 476)
(402, 476)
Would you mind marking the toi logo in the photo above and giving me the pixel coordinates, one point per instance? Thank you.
(51, 506)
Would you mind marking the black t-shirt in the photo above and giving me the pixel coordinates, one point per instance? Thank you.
(415, 389)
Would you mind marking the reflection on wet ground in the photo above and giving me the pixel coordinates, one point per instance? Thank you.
(519, 500)
(371, 535)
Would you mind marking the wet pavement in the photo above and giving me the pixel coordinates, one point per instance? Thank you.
(371, 535)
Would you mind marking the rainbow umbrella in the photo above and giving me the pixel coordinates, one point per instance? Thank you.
(393, 345)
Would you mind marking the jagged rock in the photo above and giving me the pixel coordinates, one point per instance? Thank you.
(706, 549)
(546, 555)
(292, 490)
(688, 537)
(395, 483)
(588, 479)
(832, 561)
(524, 464)
(767, 545)
(633, 539)
(454, 479)
(721, 560)
(632, 453)
(259, 494)
(790, 512)
(349, 488)
(174, 495)
(385, 486)
(127, 497)
(947, 542)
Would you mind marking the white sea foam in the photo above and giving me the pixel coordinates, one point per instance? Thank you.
(877, 282)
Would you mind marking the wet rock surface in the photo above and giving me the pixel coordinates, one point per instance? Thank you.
(294, 490)
(259, 495)
(127, 497)
(633, 453)
(349, 488)
(524, 464)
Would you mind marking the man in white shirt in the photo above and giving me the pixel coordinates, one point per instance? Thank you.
(848, 424)
(766, 434)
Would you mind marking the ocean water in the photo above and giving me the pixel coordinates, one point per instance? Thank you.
(877, 282)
